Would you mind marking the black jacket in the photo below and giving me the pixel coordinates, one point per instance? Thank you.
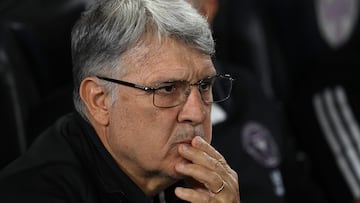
(68, 163)
(252, 121)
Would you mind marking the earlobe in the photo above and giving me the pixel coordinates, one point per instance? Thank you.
(96, 100)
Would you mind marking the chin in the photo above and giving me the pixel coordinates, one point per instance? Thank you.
(170, 168)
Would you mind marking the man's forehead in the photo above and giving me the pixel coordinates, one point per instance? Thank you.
(154, 74)
(169, 52)
(148, 49)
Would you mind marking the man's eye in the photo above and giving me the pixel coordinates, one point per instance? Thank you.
(167, 89)
(205, 86)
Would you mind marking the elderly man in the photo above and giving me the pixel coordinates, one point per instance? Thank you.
(144, 80)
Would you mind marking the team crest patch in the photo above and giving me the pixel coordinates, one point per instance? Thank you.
(260, 145)
(336, 20)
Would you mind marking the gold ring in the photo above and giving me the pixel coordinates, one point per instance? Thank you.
(221, 187)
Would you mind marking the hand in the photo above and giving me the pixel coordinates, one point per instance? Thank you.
(213, 179)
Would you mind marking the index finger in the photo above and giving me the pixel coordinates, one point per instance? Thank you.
(201, 144)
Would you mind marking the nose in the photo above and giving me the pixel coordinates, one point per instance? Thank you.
(194, 110)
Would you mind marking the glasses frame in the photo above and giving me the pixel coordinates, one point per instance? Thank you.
(152, 89)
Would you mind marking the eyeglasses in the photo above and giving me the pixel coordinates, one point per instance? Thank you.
(169, 94)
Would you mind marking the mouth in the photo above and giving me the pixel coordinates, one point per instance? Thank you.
(186, 135)
(186, 141)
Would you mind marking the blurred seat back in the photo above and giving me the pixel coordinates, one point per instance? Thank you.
(19, 94)
(35, 68)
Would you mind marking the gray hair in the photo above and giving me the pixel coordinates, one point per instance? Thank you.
(109, 28)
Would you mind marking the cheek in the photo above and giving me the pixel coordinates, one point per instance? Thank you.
(208, 131)
(157, 130)
(143, 124)
(208, 126)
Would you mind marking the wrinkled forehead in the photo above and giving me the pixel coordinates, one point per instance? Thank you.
(167, 53)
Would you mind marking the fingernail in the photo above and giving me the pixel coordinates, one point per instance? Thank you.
(184, 147)
(179, 191)
(180, 166)
(199, 140)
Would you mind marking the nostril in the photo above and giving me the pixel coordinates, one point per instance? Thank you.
(187, 121)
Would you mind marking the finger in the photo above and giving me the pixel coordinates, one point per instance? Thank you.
(191, 195)
(200, 157)
(201, 144)
(201, 153)
(210, 179)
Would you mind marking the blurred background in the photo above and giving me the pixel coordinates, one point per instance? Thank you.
(304, 57)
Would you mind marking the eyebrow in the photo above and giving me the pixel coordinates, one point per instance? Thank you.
(159, 82)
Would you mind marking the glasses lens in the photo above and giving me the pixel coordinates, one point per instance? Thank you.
(216, 89)
(170, 94)
(221, 88)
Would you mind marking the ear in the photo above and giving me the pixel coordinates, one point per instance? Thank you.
(96, 100)
(211, 8)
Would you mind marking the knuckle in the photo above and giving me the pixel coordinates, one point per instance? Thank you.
(217, 165)
(214, 178)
